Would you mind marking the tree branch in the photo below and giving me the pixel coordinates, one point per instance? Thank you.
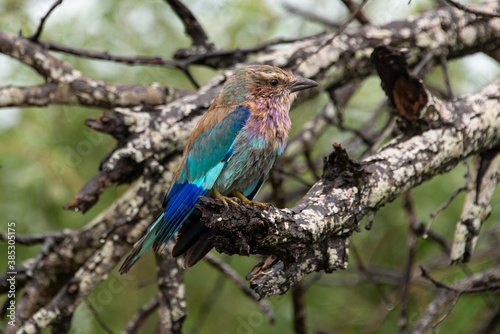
(481, 185)
(472, 10)
(172, 304)
(191, 25)
(476, 282)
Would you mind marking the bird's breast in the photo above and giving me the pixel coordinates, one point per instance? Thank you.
(254, 153)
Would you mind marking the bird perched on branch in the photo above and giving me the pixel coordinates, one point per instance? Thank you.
(229, 153)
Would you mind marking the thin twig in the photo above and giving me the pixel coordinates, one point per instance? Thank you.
(369, 275)
(450, 308)
(425, 274)
(191, 78)
(292, 175)
(208, 304)
(444, 64)
(441, 208)
(97, 317)
(210, 58)
(369, 126)
(358, 133)
(470, 10)
(191, 25)
(141, 316)
(343, 26)
(487, 286)
(48, 243)
(130, 60)
(412, 250)
(278, 193)
(316, 277)
(448, 201)
(310, 163)
(119, 223)
(310, 132)
(29, 240)
(478, 282)
(384, 133)
(36, 35)
(350, 19)
(232, 275)
(425, 61)
(420, 229)
(299, 311)
(353, 8)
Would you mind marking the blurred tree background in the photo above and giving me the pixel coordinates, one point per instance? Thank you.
(47, 154)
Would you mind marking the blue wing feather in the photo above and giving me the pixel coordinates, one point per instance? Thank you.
(213, 146)
(203, 164)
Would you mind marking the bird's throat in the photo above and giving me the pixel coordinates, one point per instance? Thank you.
(269, 123)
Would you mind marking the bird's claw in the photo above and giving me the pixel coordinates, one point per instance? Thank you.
(261, 205)
(225, 200)
(246, 201)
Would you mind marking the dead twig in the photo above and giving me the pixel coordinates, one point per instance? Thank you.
(311, 15)
(191, 25)
(233, 276)
(38, 32)
(141, 316)
(471, 10)
(444, 64)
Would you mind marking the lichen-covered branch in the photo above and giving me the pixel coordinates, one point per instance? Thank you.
(172, 305)
(87, 92)
(484, 170)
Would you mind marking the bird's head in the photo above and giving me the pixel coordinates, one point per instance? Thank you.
(263, 82)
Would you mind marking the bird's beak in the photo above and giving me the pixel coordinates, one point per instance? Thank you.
(301, 84)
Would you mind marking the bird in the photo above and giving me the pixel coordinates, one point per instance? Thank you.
(228, 155)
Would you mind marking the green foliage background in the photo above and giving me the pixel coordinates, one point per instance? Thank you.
(47, 154)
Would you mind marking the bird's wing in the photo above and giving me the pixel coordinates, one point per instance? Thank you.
(202, 164)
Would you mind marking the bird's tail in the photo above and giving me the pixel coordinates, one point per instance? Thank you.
(142, 246)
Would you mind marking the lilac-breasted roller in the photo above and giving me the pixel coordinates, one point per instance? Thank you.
(229, 153)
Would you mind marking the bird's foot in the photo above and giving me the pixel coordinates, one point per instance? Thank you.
(225, 199)
(246, 201)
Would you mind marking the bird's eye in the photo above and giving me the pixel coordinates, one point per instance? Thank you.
(274, 82)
